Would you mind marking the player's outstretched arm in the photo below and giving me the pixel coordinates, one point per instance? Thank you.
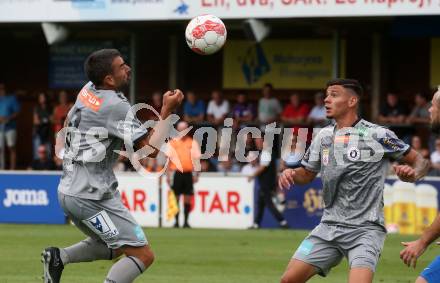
(158, 135)
(413, 250)
(415, 168)
(299, 176)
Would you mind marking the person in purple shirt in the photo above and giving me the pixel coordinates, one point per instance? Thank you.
(243, 112)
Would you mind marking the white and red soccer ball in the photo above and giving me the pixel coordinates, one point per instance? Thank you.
(205, 34)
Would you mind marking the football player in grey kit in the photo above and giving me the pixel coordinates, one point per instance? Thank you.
(352, 157)
(98, 124)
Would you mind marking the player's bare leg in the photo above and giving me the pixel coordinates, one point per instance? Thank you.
(137, 260)
(420, 279)
(360, 275)
(298, 272)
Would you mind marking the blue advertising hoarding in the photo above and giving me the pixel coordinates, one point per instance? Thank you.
(411, 207)
(30, 198)
(303, 207)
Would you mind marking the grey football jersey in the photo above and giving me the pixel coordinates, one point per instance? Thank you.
(97, 125)
(353, 163)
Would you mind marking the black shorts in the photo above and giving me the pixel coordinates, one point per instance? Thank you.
(183, 183)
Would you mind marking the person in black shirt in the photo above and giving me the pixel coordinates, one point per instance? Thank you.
(393, 114)
(42, 125)
(266, 176)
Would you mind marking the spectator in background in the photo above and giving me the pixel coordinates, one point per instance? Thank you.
(9, 109)
(42, 125)
(193, 109)
(58, 159)
(269, 108)
(251, 167)
(156, 104)
(43, 161)
(151, 164)
(295, 113)
(266, 175)
(420, 112)
(60, 111)
(230, 165)
(393, 112)
(416, 144)
(218, 109)
(435, 159)
(251, 144)
(206, 166)
(317, 117)
(141, 164)
(124, 164)
(243, 112)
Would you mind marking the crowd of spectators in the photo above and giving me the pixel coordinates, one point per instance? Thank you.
(294, 112)
(412, 125)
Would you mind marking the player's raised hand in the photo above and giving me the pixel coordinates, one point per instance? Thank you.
(411, 252)
(286, 179)
(405, 173)
(172, 99)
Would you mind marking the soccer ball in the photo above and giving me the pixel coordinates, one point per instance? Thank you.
(205, 34)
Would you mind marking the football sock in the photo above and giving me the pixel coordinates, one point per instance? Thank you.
(86, 250)
(176, 224)
(186, 210)
(125, 270)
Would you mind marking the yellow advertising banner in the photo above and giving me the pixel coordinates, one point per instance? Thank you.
(435, 62)
(287, 64)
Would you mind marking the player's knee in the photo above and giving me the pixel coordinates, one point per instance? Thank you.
(287, 279)
(284, 279)
(147, 257)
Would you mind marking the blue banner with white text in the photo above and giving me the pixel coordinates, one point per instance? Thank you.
(30, 198)
(409, 208)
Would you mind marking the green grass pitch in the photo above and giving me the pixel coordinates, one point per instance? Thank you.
(194, 255)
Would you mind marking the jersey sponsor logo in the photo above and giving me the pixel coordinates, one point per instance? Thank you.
(102, 225)
(25, 197)
(90, 100)
(325, 156)
(353, 154)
